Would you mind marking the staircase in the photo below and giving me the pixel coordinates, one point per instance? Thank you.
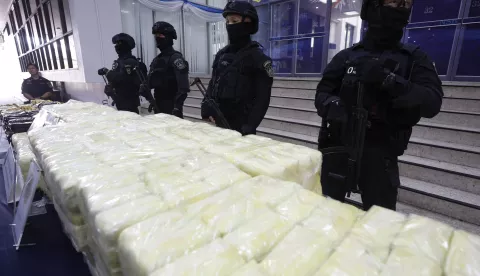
(440, 171)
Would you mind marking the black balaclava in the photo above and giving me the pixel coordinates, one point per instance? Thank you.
(385, 24)
(164, 43)
(239, 33)
(123, 49)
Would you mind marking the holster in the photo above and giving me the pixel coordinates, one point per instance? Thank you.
(334, 172)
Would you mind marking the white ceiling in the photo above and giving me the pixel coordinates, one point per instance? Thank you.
(4, 5)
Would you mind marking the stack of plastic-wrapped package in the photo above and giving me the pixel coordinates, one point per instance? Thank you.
(157, 195)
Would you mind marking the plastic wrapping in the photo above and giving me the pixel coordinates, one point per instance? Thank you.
(299, 205)
(463, 257)
(151, 244)
(214, 259)
(377, 230)
(332, 219)
(205, 134)
(77, 233)
(250, 269)
(351, 258)
(187, 179)
(301, 252)
(256, 237)
(109, 223)
(266, 189)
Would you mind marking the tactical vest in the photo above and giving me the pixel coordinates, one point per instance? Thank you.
(234, 75)
(128, 87)
(163, 78)
(385, 123)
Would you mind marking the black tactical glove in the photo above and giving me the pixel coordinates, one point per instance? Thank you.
(336, 111)
(177, 112)
(372, 71)
(103, 71)
(247, 130)
(145, 92)
(108, 90)
(207, 110)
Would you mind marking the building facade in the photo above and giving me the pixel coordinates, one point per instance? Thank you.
(71, 39)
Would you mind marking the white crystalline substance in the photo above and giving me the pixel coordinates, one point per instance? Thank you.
(402, 262)
(110, 223)
(332, 219)
(300, 253)
(257, 236)
(266, 189)
(463, 257)
(99, 202)
(299, 205)
(250, 269)
(377, 230)
(215, 259)
(228, 215)
(146, 250)
(423, 237)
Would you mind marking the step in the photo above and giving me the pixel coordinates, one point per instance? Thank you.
(456, 118)
(355, 199)
(304, 114)
(465, 92)
(294, 92)
(446, 174)
(194, 100)
(299, 102)
(447, 133)
(298, 83)
(443, 200)
(461, 104)
(291, 125)
(447, 152)
(191, 109)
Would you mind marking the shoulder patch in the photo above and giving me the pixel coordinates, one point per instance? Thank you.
(268, 68)
(180, 64)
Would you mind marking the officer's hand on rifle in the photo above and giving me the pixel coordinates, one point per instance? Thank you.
(178, 113)
(336, 111)
(108, 90)
(246, 130)
(207, 112)
(103, 71)
(372, 71)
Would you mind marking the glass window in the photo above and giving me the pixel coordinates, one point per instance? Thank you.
(21, 11)
(58, 50)
(73, 52)
(48, 57)
(24, 7)
(48, 21)
(56, 18)
(474, 8)
(18, 14)
(470, 52)
(345, 27)
(66, 10)
(42, 59)
(429, 39)
(66, 55)
(312, 17)
(282, 56)
(431, 10)
(309, 55)
(30, 35)
(35, 32)
(263, 34)
(42, 26)
(284, 17)
(12, 22)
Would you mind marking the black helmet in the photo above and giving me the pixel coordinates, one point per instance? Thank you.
(164, 28)
(124, 38)
(244, 9)
(376, 14)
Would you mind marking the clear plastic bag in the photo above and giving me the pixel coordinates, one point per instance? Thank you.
(151, 244)
(463, 255)
(301, 252)
(299, 205)
(256, 237)
(214, 259)
(250, 269)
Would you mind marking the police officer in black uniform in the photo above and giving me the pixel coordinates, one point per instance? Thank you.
(242, 74)
(401, 85)
(36, 87)
(124, 79)
(168, 73)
